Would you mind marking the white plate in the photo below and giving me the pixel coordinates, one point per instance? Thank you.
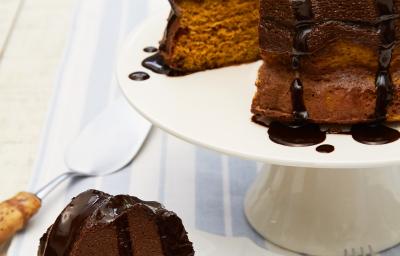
(212, 109)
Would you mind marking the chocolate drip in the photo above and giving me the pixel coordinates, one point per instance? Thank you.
(124, 236)
(157, 64)
(300, 113)
(301, 133)
(384, 85)
(302, 11)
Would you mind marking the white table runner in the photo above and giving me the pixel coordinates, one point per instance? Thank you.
(205, 188)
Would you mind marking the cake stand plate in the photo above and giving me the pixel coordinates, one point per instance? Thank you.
(212, 109)
(321, 204)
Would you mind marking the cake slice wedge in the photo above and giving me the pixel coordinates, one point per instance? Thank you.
(95, 223)
(209, 34)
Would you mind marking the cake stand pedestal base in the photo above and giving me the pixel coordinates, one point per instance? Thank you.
(327, 211)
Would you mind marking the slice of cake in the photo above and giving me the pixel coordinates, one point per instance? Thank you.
(329, 61)
(95, 223)
(210, 34)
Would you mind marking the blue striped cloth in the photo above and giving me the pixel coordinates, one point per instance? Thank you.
(205, 188)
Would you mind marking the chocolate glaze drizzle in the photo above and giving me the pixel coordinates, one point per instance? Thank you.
(376, 133)
(157, 64)
(303, 14)
(384, 85)
(372, 133)
(300, 133)
(62, 234)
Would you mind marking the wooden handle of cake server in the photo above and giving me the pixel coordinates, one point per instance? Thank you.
(16, 212)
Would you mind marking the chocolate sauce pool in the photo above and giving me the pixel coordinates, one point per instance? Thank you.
(296, 135)
(150, 49)
(139, 76)
(326, 149)
(157, 64)
(374, 134)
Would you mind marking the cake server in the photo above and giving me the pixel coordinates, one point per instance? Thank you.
(106, 145)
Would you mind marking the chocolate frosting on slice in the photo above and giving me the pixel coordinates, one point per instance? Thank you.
(62, 235)
(97, 209)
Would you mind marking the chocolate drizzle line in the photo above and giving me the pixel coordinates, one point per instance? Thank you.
(301, 133)
(303, 15)
(377, 133)
(384, 85)
(374, 133)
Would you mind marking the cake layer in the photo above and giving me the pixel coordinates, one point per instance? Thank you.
(345, 96)
(363, 11)
(211, 33)
(338, 55)
(277, 38)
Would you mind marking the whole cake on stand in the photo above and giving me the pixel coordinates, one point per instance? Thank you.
(324, 62)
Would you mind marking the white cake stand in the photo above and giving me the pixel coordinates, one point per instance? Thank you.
(318, 204)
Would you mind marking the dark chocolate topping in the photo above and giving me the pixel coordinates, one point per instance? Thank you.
(63, 233)
(157, 64)
(303, 15)
(384, 85)
(299, 110)
(95, 208)
(304, 24)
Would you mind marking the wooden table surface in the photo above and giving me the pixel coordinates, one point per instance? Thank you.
(32, 38)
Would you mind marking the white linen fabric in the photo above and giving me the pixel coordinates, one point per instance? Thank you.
(205, 188)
